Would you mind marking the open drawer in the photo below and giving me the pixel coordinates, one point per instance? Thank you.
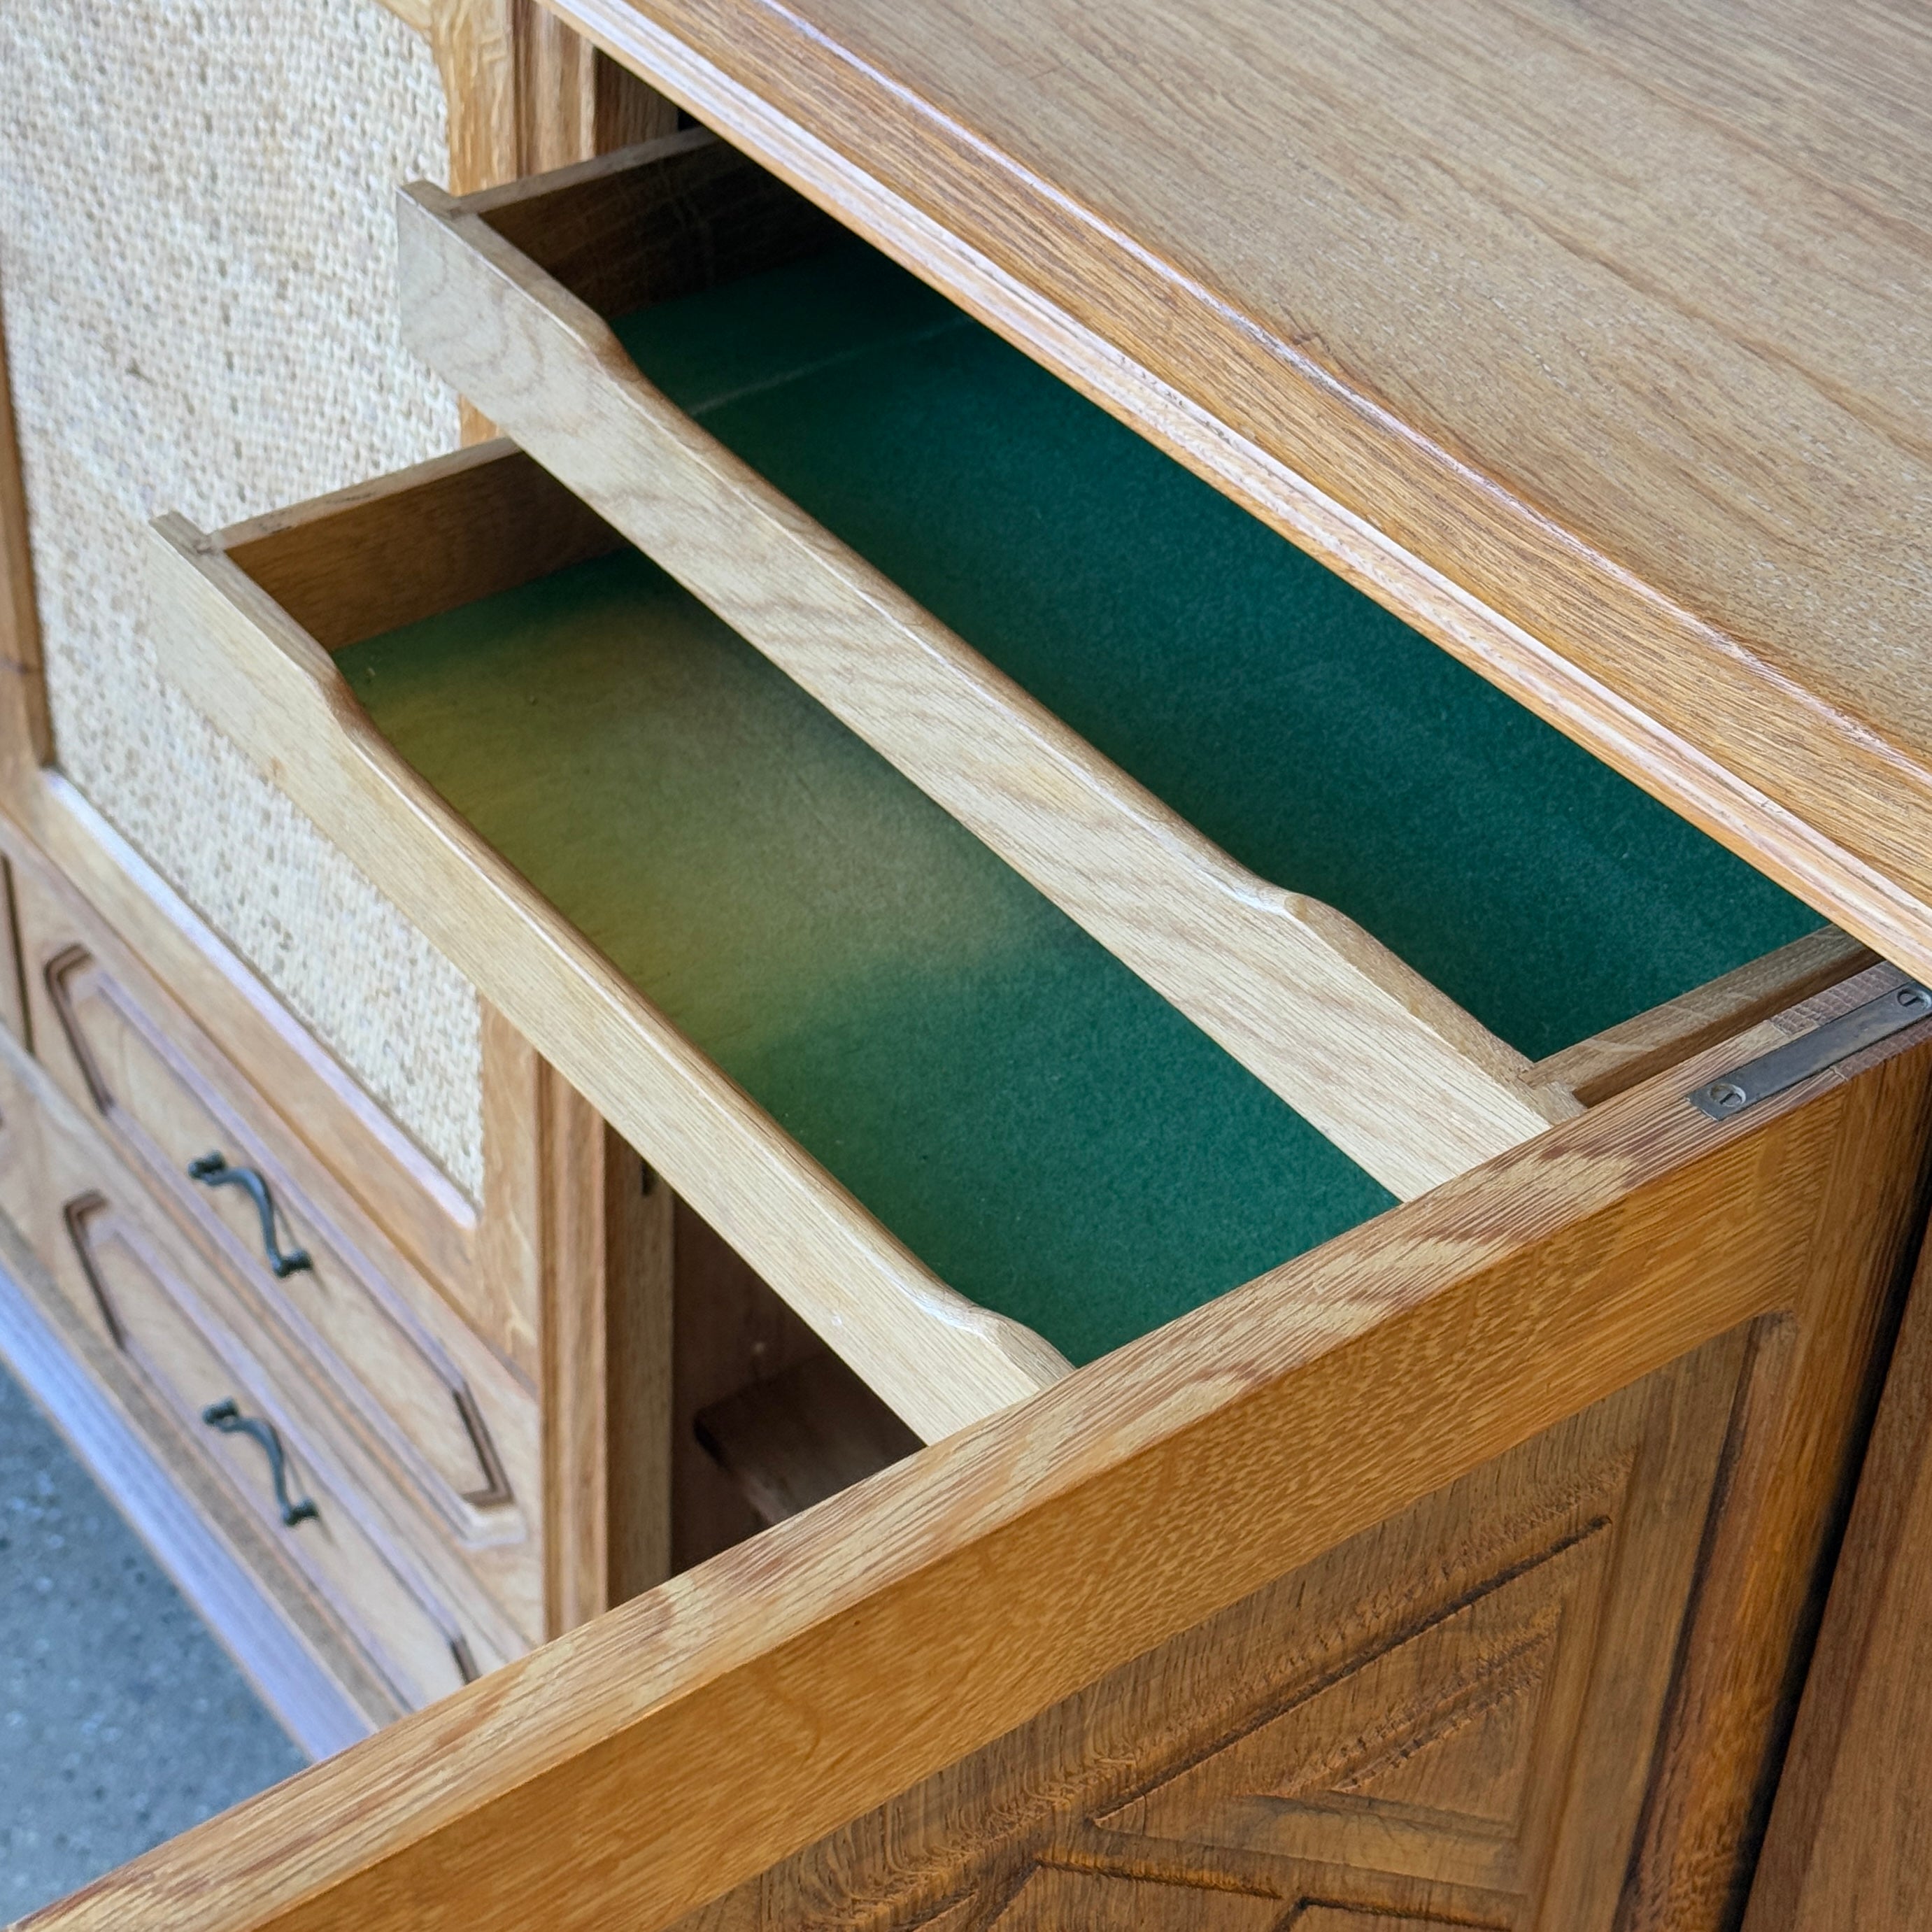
(1380, 885)
(1455, 1573)
(953, 1130)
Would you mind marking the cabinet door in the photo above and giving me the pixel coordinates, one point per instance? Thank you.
(1456, 1574)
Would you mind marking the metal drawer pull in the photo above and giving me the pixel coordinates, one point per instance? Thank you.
(212, 1170)
(227, 1416)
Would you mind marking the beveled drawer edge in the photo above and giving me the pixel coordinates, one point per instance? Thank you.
(92, 1218)
(405, 1530)
(76, 856)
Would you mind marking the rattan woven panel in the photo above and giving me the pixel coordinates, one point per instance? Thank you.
(196, 255)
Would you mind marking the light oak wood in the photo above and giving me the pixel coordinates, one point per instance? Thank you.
(131, 919)
(1446, 1716)
(640, 1320)
(110, 1242)
(1851, 1834)
(1641, 453)
(26, 736)
(1023, 1561)
(577, 1500)
(523, 93)
(730, 1332)
(1619, 1057)
(123, 1424)
(940, 1361)
(168, 1334)
(13, 1012)
(606, 1365)
(494, 1268)
(394, 1374)
(1412, 1088)
(480, 524)
(594, 1312)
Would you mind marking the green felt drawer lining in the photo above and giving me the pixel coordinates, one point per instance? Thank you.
(1047, 1133)
(1316, 737)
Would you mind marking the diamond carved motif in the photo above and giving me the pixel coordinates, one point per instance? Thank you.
(1440, 1754)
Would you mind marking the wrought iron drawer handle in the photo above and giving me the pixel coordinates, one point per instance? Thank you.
(212, 1170)
(227, 1416)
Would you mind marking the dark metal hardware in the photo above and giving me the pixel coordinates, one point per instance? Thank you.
(1783, 1067)
(495, 1490)
(466, 1664)
(227, 1416)
(212, 1170)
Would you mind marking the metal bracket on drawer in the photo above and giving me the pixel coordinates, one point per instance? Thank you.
(1813, 1052)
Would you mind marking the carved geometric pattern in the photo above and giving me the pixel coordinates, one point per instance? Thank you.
(1448, 1720)
(1053, 1899)
(1435, 1756)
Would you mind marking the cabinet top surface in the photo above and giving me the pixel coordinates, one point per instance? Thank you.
(1619, 318)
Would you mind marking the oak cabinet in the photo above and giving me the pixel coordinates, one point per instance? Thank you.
(1391, 1240)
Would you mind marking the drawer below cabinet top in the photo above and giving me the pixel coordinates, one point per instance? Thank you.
(169, 1317)
(354, 1387)
(883, 1066)
(420, 1645)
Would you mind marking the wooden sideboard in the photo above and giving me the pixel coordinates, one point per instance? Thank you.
(1468, 1567)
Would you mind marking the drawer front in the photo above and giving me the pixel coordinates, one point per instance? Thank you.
(381, 1355)
(171, 1332)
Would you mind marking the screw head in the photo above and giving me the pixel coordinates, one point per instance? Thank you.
(1914, 997)
(1726, 1094)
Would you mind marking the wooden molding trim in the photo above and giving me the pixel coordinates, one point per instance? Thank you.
(1851, 1832)
(26, 735)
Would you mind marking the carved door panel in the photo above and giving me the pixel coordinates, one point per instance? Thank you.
(1450, 1720)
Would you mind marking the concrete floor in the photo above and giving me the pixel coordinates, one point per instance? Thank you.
(121, 1720)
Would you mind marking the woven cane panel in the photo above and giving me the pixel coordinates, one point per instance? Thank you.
(197, 256)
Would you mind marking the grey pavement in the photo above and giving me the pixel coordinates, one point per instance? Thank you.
(121, 1720)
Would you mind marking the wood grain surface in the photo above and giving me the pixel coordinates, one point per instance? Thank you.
(1594, 342)
(26, 735)
(1850, 1838)
(301, 1662)
(1635, 1048)
(1451, 1715)
(691, 1740)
